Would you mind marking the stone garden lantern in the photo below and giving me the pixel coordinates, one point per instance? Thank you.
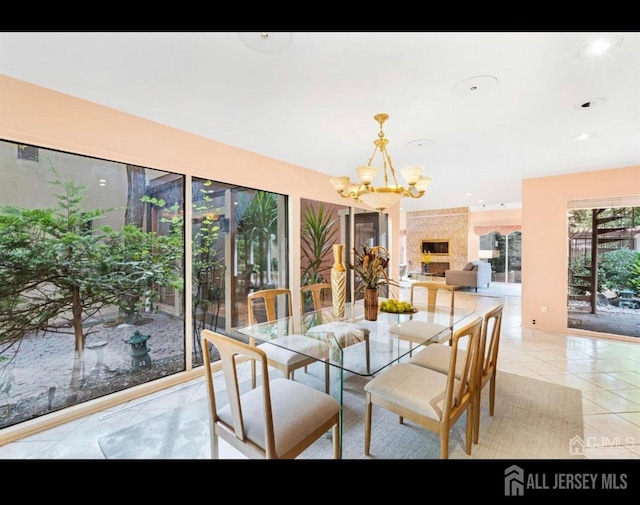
(139, 350)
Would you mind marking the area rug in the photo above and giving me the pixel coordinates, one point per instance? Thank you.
(533, 420)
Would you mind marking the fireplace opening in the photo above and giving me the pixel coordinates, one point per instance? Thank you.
(435, 268)
(438, 268)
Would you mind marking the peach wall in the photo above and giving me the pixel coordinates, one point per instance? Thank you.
(544, 236)
(34, 115)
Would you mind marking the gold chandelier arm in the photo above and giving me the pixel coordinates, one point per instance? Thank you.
(373, 154)
(413, 193)
(387, 161)
(419, 188)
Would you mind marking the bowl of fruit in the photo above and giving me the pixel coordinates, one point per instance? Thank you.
(396, 306)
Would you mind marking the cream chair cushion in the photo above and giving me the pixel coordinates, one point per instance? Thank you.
(291, 423)
(420, 331)
(437, 357)
(306, 347)
(412, 387)
(345, 333)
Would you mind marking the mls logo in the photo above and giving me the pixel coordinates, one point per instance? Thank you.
(514, 481)
(576, 446)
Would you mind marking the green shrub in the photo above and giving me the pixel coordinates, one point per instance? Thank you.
(615, 270)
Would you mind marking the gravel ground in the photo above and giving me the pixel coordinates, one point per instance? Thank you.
(38, 378)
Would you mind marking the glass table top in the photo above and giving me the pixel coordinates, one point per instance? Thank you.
(352, 343)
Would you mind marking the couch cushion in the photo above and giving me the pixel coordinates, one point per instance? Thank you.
(469, 266)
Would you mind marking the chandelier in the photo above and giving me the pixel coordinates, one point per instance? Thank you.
(381, 197)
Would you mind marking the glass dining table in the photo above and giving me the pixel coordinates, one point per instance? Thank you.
(350, 343)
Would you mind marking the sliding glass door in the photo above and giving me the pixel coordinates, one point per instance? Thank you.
(503, 252)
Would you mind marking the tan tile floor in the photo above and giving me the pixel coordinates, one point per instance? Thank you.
(606, 371)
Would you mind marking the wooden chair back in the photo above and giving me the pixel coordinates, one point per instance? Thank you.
(490, 342)
(318, 292)
(274, 302)
(347, 333)
(488, 363)
(462, 376)
(432, 289)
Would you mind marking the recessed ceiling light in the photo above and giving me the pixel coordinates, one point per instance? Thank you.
(266, 42)
(419, 143)
(478, 85)
(599, 46)
(592, 103)
(584, 136)
(468, 194)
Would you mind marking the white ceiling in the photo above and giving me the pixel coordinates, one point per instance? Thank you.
(309, 98)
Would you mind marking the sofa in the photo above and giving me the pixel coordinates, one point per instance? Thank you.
(475, 274)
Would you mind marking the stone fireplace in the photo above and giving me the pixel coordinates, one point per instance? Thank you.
(438, 228)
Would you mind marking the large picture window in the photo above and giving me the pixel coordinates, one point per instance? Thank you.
(92, 262)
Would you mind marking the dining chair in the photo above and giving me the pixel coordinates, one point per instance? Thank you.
(345, 333)
(436, 357)
(278, 420)
(317, 293)
(275, 303)
(418, 331)
(429, 398)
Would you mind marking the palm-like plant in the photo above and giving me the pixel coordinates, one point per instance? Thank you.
(318, 236)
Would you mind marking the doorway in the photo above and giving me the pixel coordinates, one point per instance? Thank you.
(358, 227)
(603, 282)
(504, 253)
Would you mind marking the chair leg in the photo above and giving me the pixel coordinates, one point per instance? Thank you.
(253, 374)
(327, 380)
(214, 444)
(336, 442)
(444, 443)
(492, 393)
(367, 351)
(367, 425)
(470, 427)
(476, 415)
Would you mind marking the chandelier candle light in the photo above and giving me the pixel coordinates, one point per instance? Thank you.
(381, 197)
